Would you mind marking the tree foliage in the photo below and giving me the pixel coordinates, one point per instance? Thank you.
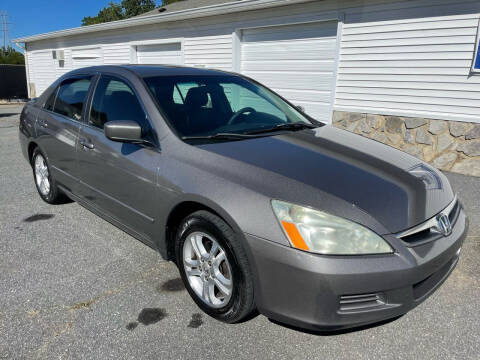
(10, 56)
(136, 7)
(124, 10)
(110, 13)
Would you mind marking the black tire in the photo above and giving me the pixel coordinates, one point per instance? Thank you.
(241, 305)
(54, 195)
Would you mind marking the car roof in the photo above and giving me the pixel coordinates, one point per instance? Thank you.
(153, 70)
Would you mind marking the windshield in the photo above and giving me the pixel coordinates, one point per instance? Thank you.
(202, 106)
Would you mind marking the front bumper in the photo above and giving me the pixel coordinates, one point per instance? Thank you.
(336, 292)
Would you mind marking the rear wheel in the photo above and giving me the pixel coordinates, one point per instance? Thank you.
(214, 267)
(46, 185)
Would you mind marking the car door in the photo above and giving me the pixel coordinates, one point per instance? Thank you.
(58, 126)
(119, 179)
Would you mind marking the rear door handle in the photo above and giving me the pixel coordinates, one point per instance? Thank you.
(86, 144)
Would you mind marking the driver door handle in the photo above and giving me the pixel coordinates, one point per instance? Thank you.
(87, 144)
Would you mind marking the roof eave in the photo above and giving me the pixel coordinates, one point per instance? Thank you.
(211, 10)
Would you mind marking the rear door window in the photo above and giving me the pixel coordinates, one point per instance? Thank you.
(71, 97)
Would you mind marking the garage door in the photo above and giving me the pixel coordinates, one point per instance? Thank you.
(86, 57)
(297, 61)
(167, 54)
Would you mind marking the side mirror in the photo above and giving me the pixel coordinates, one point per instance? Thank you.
(123, 131)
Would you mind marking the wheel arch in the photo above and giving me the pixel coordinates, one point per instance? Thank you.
(180, 210)
(31, 148)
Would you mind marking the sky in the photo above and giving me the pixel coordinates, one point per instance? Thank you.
(30, 17)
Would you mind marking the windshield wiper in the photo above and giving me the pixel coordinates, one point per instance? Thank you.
(220, 136)
(252, 134)
(286, 126)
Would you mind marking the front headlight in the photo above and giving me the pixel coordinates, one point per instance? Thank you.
(322, 233)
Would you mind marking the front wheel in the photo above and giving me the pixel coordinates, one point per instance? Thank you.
(214, 267)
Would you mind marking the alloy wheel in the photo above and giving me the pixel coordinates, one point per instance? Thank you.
(207, 269)
(42, 175)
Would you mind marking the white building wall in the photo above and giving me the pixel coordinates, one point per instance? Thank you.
(208, 42)
(118, 53)
(209, 51)
(42, 70)
(415, 63)
(409, 58)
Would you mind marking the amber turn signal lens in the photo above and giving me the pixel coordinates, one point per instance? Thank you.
(295, 237)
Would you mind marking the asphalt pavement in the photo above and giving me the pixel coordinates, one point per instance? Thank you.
(73, 286)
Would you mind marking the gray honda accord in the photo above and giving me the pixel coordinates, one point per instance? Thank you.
(262, 208)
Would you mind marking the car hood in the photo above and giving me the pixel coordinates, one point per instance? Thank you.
(396, 189)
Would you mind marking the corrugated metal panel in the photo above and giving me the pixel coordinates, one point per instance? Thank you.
(297, 61)
(167, 54)
(411, 66)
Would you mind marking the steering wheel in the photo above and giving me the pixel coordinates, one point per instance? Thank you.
(244, 110)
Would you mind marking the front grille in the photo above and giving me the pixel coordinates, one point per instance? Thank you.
(428, 231)
(454, 213)
(361, 302)
(421, 237)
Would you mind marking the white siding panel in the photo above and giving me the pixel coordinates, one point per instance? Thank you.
(297, 61)
(297, 50)
(446, 55)
(437, 49)
(307, 96)
(441, 93)
(418, 63)
(42, 68)
(470, 31)
(406, 71)
(209, 51)
(83, 57)
(433, 79)
(90, 52)
(388, 47)
(290, 32)
(292, 65)
(386, 86)
(412, 107)
(116, 54)
(291, 81)
(411, 65)
(406, 26)
(441, 40)
(78, 63)
(166, 54)
(473, 104)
